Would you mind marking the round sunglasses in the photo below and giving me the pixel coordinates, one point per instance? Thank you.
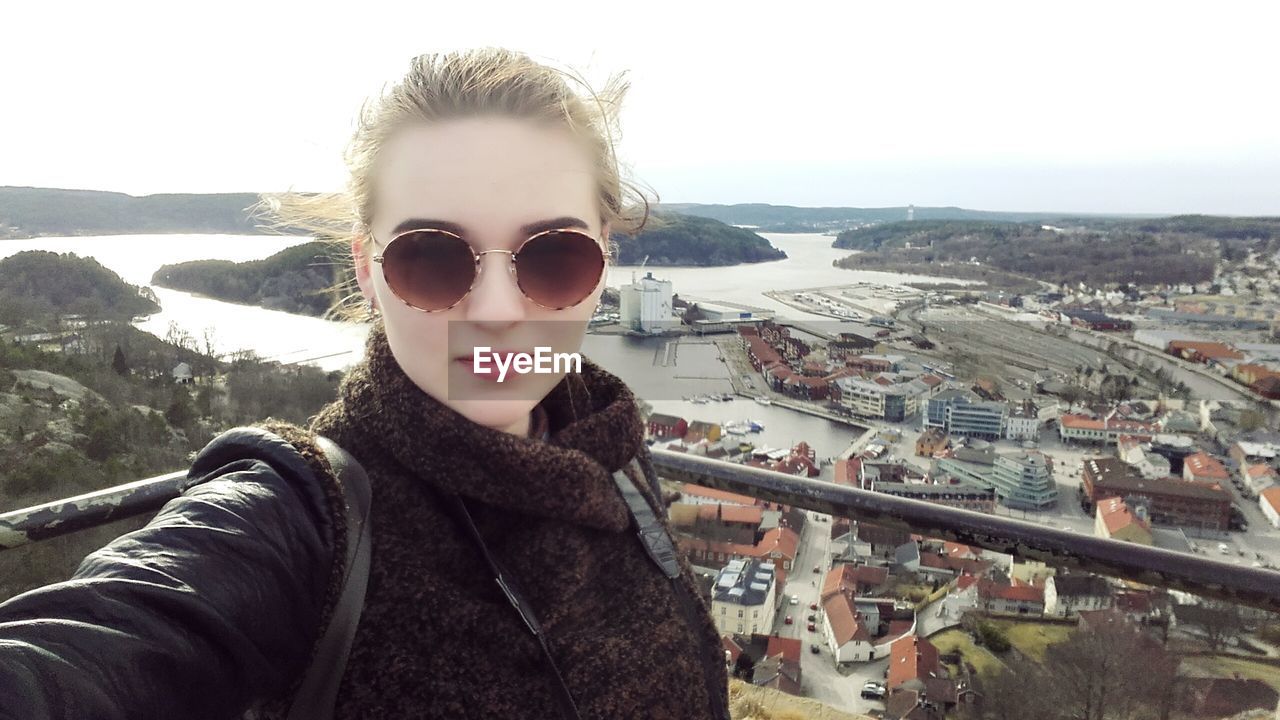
(433, 270)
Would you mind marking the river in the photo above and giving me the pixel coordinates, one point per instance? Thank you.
(333, 345)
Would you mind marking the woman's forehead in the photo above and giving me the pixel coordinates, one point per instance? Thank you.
(497, 174)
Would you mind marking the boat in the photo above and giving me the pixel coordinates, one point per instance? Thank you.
(699, 400)
(755, 426)
(763, 400)
(726, 397)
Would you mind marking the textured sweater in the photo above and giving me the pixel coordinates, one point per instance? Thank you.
(437, 638)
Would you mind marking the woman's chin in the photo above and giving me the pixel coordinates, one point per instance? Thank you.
(501, 415)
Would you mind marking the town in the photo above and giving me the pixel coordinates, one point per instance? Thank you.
(1143, 417)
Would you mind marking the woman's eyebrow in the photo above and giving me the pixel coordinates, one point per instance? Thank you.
(456, 229)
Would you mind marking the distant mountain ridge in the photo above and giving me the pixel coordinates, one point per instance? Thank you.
(34, 212)
(790, 218)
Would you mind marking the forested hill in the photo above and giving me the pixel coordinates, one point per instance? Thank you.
(297, 279)
(36, 212)
(1178, 249)
(38, 283)
(674, 239)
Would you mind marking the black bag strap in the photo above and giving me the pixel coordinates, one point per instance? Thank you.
(318, 692)
(657, 543)
(515, 595)
(654, 537)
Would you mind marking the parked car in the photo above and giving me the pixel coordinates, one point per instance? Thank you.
(815, 649)
(873, 691)
(788, 620)
(1222, 548)
(795, 599)
(813, 627)
(817, 569)
(813, 618)
(813, 606)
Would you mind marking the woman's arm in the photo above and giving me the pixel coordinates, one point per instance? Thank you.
(214, 604)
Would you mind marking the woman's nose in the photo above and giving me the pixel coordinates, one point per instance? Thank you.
(496, 296)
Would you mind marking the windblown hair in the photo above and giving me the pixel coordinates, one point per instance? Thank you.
(460, 84)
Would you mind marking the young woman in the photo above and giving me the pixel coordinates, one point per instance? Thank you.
(482, 197)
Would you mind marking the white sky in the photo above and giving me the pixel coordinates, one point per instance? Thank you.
(1091, 107)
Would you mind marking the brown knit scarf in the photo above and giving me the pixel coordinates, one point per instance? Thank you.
(592, 418)
(436, 638)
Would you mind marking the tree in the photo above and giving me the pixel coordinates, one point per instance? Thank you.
(181, 412)
(118, 363)
(1113, 675)
(1251, 420)
(1219, 621)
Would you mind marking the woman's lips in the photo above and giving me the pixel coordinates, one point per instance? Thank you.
(490, 370)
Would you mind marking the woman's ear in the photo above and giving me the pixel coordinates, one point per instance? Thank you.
(361, 256)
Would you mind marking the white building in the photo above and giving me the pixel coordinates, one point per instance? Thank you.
(645, 304)
(1068, 595)
(1022, 422)
(742, 599)
(1270, 502)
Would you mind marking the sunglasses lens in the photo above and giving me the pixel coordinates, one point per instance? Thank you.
(428, 269)
(559, 269)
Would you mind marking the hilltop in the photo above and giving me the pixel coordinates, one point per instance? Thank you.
(1182, 249)
(297, 279)
(37, 282)
(676, 239)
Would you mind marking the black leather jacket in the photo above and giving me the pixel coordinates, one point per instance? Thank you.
(214, 604)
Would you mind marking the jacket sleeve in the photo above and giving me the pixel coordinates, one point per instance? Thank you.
(210, 607)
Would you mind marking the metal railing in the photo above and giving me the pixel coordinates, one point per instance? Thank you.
(1205, 576)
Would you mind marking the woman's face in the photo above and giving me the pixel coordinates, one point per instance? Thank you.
(498, 180)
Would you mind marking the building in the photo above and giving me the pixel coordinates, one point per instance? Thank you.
(700, 430)
(1204, 467)
(1069, 595)
(1022, 422)
(934, 412)
(967, 496)
(1259, 477)
(912, 657)
(931, 441)
(1096, 321)
(893, 402)
(645, 305)
(845, 632)
(666, 426)
(742, 598)
(960, 412)
(1251, 452)
(1269, 500)
(1103, 431)
(1113, 519)
(1169, 501)
(182, 374)
(1151, 465)
(1204, 352)
(1024, 481)
(1013, 597)
(967, 464)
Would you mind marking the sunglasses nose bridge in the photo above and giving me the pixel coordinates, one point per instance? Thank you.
(511, 265)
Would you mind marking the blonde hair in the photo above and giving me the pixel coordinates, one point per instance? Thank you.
(460, 84)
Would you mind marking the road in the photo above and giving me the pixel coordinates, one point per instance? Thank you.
(820, 679)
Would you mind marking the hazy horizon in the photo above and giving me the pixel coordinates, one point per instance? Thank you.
(1096, 109)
